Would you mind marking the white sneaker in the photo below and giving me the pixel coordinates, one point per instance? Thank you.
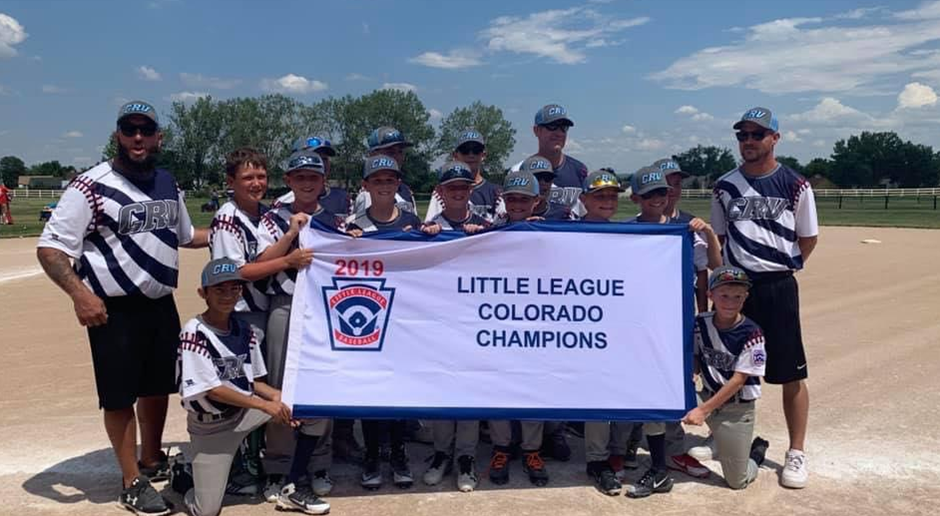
(706, 451)
(322, 484)
(272, 489)
(794, 473)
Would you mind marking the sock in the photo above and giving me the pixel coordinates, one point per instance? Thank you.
(657, 444)
(302, 454)
(759, 450)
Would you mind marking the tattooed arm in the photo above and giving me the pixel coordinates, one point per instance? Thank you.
(89, 308)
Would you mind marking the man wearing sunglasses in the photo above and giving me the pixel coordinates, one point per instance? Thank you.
(551, 130)
(334, 200)
(122, 223)
(766, 215)
(486, 199)
(388, 141)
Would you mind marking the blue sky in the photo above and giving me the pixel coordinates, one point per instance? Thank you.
(642, 79)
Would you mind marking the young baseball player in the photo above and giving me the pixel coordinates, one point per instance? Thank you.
(218, 369)
(333, 199)
(521, 196)
(455, 185)
(730, 356)
(485, 198)
(306, 176)
(388, 142)
(547, 209)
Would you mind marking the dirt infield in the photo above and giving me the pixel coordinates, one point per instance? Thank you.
(871, 324)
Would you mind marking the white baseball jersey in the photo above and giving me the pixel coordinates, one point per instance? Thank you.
(763, 218)
(124, 236)
(404, 199)
(208, 358)
(721, 353)
(274, 225)
(234, 235)
(486, 200)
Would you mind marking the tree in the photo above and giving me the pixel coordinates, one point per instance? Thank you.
(791, 162)
(706, 162)
(196, 132)
(872, 159)
(488, 121)
(11, 168)
(51, 168)
(818, 167)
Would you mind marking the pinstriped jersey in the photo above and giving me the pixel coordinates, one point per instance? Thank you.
(367, 224)
(404, 200)
(208, 358)
(333, 200)
(486, 200)
(457, 225)
(234, 235)
(721, 353)
(763, 218)
(123, 235)
(274, 225)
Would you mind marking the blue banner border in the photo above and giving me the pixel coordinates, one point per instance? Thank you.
(573, 414)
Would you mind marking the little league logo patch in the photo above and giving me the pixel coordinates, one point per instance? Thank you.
(357, 313)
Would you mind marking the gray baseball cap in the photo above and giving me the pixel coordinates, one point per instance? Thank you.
(454, 171)
(378, 163)
(552, 113)
(138, 107)
(536, 164)
(669, 167)
(648, 179)
(760, 116)
(470, 136)
(385, 137)
(521, 182)
(600, 179)
(728, 275)
(220, 270)
(306, 159)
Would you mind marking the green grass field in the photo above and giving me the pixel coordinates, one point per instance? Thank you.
(901, 212)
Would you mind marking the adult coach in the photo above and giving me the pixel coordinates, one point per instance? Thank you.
(122, 223)
(766, 214)
(388, 141)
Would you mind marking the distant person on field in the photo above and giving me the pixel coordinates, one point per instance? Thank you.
(6, 216)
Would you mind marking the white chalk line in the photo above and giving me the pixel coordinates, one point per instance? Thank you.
(21, 273)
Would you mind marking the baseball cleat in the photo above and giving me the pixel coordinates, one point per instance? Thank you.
(688, 465)
(651, 482)
(141, 498)
(534, 466)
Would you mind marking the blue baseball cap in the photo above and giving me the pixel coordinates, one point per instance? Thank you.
(220, 270)
(316, 143)
(138, 107)
(648, 179)
(552, 113)
(521, 182)
(760, 116)
(379, 163)
(385, 137)
(305, 160)
(453, 171)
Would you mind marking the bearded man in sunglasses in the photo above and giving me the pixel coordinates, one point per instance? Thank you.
(121, 224)
(765, 215)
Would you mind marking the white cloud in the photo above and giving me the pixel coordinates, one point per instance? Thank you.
(686, 110)
(357, 77)
(650, 144)
(628, 129)
(435, 114)
(857, 14)
(455, 59)
(11, 34)
(197, 80)
(916, 95)
(400, 86)
(814, 54)
(819, 143)
(702, 117)
(52, 89)
(187, 96)
(148, 74)
(804, 131)
(73, 134)
(291, 83)
(558, 35)
(791, 136)
(827, 111)
(698, 116)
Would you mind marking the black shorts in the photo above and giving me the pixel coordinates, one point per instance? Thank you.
(134, 354)
(774, 304)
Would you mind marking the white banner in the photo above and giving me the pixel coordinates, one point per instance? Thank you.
(569, 321)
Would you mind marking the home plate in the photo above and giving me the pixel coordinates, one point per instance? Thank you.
(871, 241)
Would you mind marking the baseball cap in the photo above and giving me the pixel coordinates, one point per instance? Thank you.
(536, 164)
(316, 143)
(728, 275)
(138, 107)
(220, 270)
(307, 159)
(385, 137)
(470, 136)
(521, 182)
(378, 163)
(600, 179)
(648, 179)
(552, 113)
(453, 171)
(760, 116)
(669, 167)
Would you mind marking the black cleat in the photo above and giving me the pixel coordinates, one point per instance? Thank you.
(651, 482)
(604, 478)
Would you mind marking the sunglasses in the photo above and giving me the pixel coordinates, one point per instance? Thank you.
(131, 130)
(470, 149)
(659, 192)
(743, 136)
(557, 127)
(545, 177)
